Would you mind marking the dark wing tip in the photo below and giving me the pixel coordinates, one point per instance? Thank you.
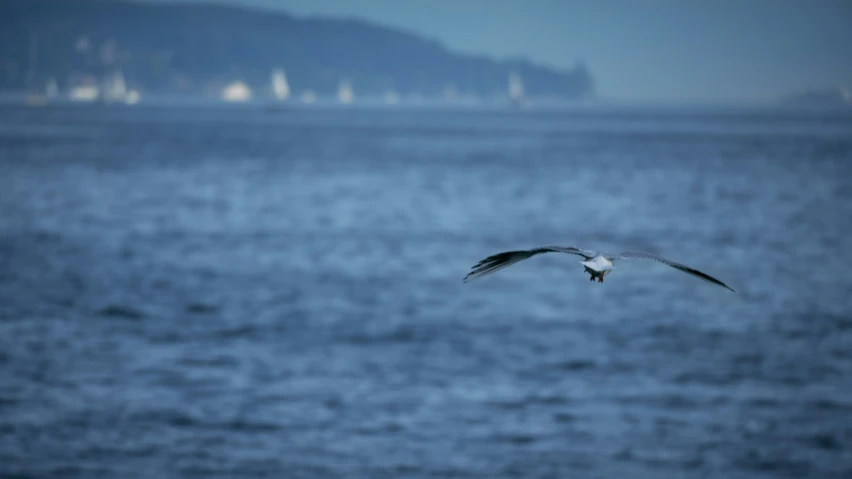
(489, 265)
(704, 276)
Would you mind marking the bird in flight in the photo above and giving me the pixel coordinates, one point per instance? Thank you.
(595, 263)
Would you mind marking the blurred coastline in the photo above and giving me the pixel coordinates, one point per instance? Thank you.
(232, 241)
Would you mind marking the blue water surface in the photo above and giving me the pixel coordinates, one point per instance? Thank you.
(233, 292)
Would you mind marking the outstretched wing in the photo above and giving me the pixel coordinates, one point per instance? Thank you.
(660, 259)
(499, 261)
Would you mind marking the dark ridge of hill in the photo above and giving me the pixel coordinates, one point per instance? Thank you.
(199, 48)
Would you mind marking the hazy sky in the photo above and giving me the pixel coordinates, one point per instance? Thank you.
(650, 49)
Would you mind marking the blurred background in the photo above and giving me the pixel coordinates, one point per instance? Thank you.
(232, 238)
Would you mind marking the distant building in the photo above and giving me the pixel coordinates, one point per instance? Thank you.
(280, 87)
(391, 97)
(308, 97)
(517, 98)
(236, 92)
(345, 94)
(83, 88)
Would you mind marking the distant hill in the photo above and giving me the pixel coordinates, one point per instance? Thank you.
(199, 48)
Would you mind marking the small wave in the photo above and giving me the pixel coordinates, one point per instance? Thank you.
(755, 359)
(812, 324)
(765, 402)
(160, 284)
(521, 403)
(123, 312)
(826, 442)
(168, 337)
(182, 420)
(830, 405)
(659, 459)
(243, 425)
(113, 451)
(238, 332)
(215, 361)
(713, 378)
(408, 469)
(577, 365)
(399, 335)
(171, 418)
(755, 460)
(201, 308)
(332, 403)
(564, 417)
(664, 401)
(507, 405)
(378, 430)
(520, 439)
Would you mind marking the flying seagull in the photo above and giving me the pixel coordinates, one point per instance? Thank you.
(595, 263)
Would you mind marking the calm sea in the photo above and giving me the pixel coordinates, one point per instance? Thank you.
(233, 292)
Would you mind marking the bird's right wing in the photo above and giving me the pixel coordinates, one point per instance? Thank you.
(675, 265)
(499, 261)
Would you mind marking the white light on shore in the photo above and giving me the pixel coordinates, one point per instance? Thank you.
(236, 92)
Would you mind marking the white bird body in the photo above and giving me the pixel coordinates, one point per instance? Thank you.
(598, 267)
(596, 264)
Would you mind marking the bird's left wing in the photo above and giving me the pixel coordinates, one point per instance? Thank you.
(499, 261)
(678, 266)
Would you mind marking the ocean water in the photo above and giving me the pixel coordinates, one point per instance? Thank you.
(232, 292)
